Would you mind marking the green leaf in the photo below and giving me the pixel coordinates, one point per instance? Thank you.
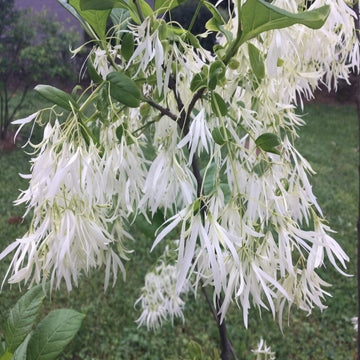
(53, 333)
(226, 191)
(110, 5)
(219, 136)
(216, 72)
(218, 105)
(258, 16)
(268, 142)
(215, 12)
(217, 21)
(209, 181)
(145, 7)
(95, 77)
(22, 318)
(103, 4)
(127, 46)
(164, 5)
(119, 132)
(20, 353)
(261, 167)
(256, 61)
(97, 19)
(163, 31)
(124, 89)
(214, 25)
(56, 96)
(198, 82)
(191, 39)
(120, 16)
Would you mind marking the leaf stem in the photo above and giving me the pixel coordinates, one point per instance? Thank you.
(195, 15)
(235, 44)
(139, 10)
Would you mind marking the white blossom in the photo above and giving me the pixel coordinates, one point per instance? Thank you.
(159, 300)
(263, 352)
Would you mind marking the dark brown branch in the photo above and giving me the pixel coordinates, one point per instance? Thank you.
(226, 346)
(212, 309)
(193, 102)
(172, 86)
(162, 110)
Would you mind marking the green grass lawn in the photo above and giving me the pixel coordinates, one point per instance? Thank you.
(109, 331)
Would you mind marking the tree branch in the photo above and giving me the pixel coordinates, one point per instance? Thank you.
(162, 110)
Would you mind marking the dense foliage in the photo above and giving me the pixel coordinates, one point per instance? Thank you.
(34, 47)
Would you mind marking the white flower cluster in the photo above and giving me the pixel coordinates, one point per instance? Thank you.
(80, 199)
(159, 299)
(263, 352)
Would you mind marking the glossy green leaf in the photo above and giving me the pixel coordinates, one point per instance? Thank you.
(53, 333)
(218, 105)
(56, 96)
(22, 318)
(256, 61)
(258, 16)
(127, 45)
(268, 142)
(124, 89)
(97, 19)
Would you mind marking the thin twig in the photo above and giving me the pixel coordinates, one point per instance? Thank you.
(211, 306)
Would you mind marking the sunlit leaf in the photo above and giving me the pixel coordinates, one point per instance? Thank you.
(258, 16)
